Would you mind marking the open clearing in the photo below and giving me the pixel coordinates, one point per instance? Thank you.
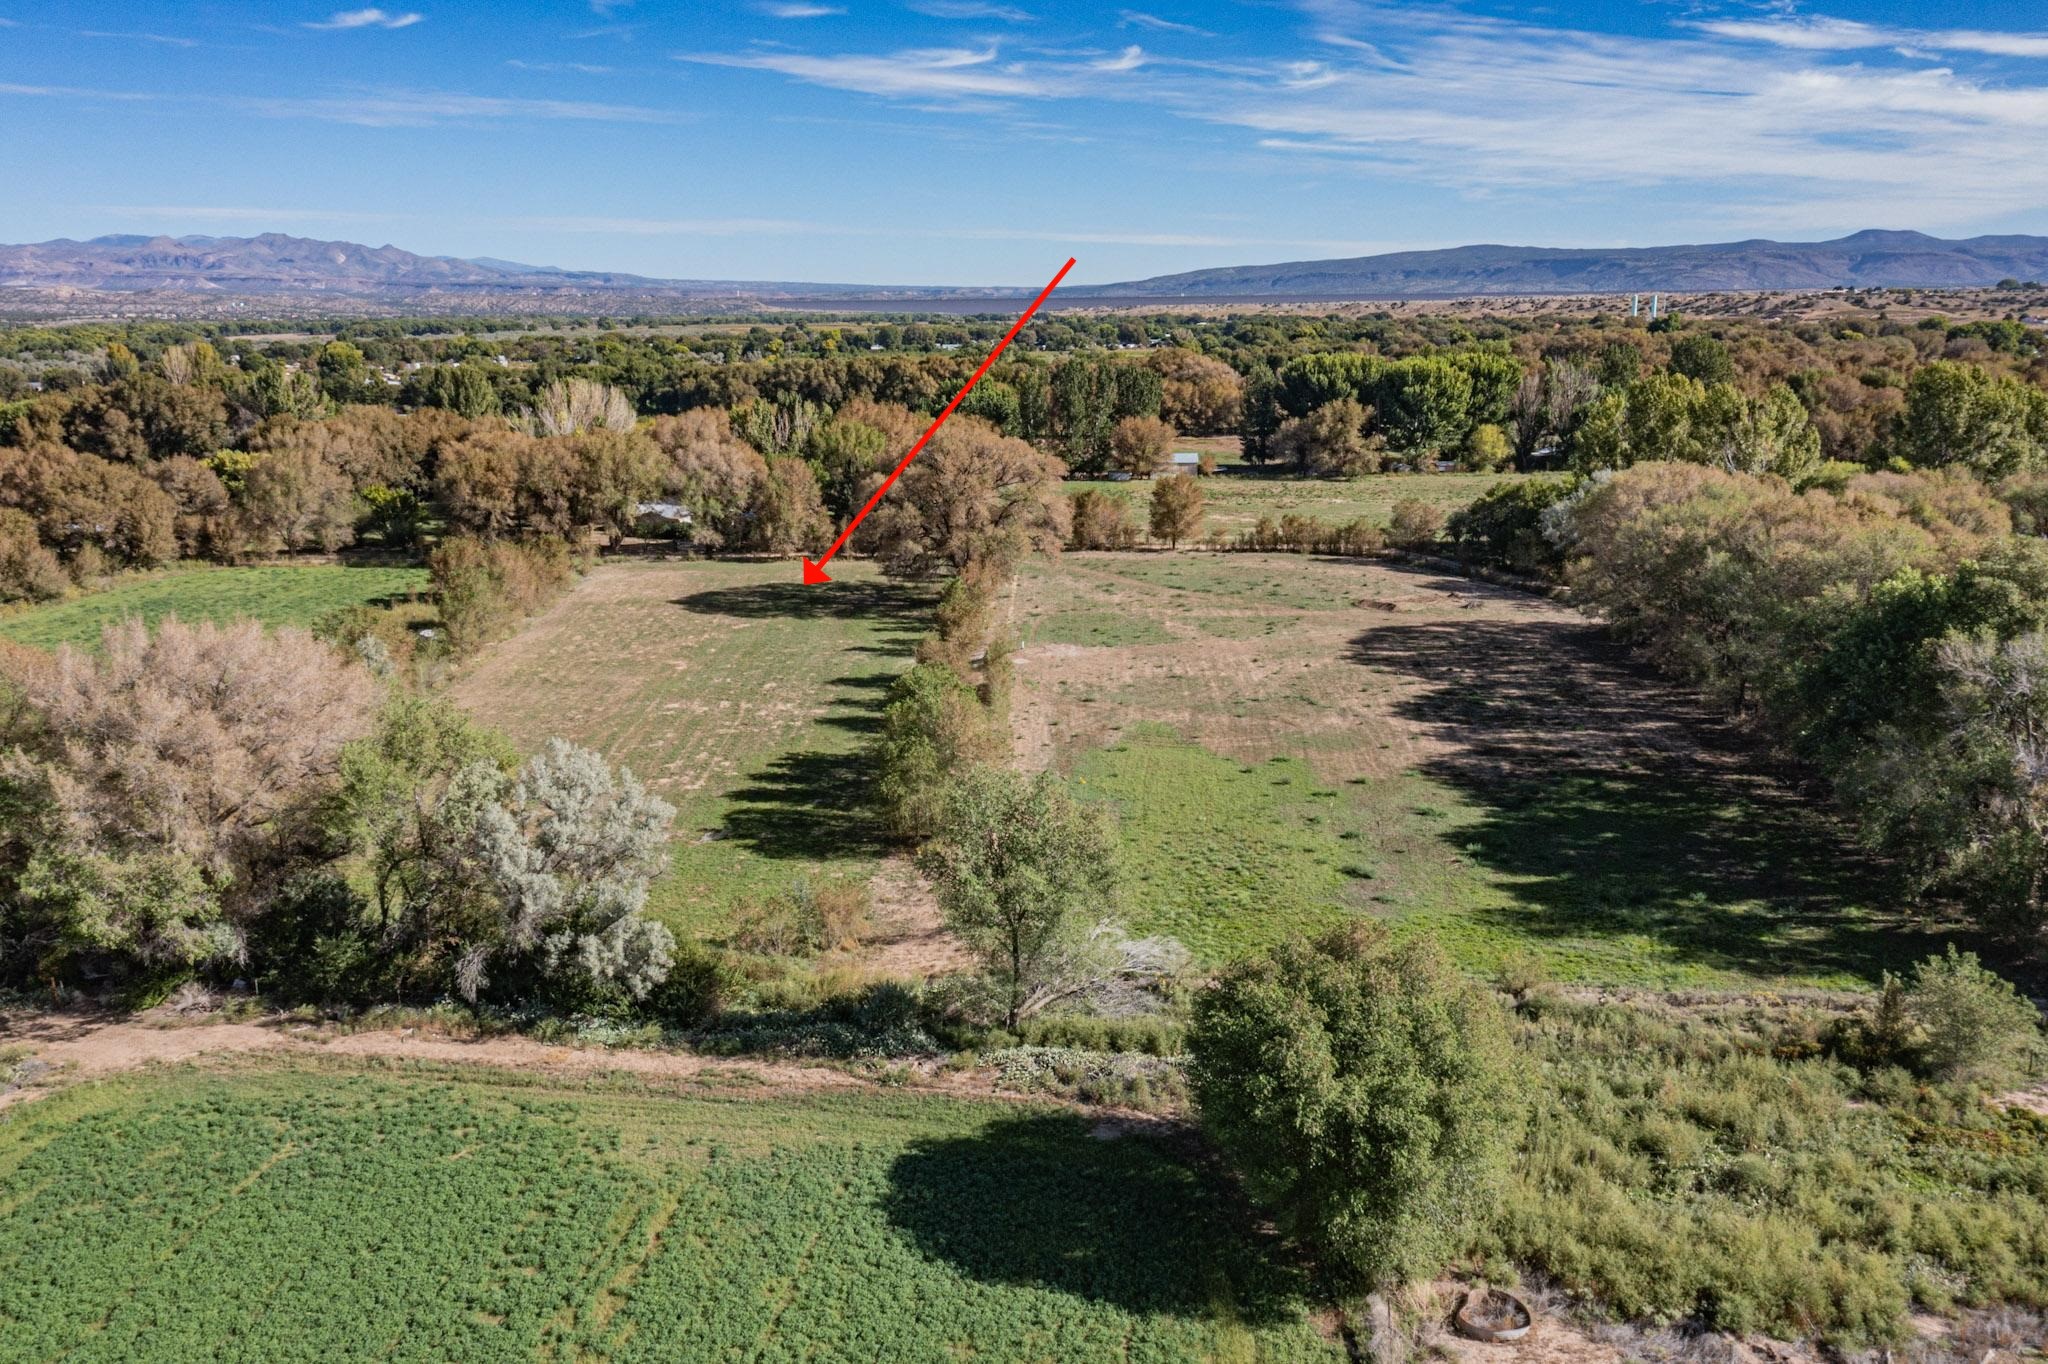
(1237, 495)
(1294, 741)
(274, 595)
(741, 696)
(292, 1210)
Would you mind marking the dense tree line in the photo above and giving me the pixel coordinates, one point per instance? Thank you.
(1888, 627)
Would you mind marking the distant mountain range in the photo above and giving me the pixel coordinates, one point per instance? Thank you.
(1870, 259)
(277, 265)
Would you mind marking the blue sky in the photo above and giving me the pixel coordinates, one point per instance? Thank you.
(982, 141)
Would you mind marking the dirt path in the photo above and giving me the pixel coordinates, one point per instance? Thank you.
(63, 1048)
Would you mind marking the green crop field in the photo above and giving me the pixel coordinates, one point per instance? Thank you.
(331, 1214)
(742, 697)
(275, 596)
(1292, 742)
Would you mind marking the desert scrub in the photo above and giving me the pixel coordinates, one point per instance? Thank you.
(1676, 1166)
(1121, 1078)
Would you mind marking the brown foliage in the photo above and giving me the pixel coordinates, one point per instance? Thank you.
(28, 571)
(787, 515)
(1102, 520)
(199, 740)
(1199, 395)
(1176, 509)
(81, 502)
(296, 499)
(1138, 445)
(711, 471)
(972, 493)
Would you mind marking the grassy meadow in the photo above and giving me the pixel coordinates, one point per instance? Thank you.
(742, 697)
(277, 595)
(329, 1213)
(1238, 494)
(1291, 742)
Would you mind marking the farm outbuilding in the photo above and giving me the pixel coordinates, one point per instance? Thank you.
(1182, 462)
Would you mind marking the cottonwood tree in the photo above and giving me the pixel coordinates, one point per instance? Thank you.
(1331, 442)
(1362, 1088)
(1025, 875)
(1176, 509)
(971, 493)
(710, 471)
(566, 406)
(1137, 445)
(1957, 413)
(297, 499)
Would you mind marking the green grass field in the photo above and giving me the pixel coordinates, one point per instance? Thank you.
(331, 1214)
(741, 696)
(1291, 743)
(1236, 496)
(274, 596)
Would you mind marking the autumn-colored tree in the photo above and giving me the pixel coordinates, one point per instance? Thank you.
(81, 503)
(297, 499)
(1102, 520)
(971, 492)
(28, 570)
(1176, 509)
(477, 480)
(168, 781)
(1331, 442)
(711, 472)
(1138, 445)
(1198, 394)
(1414, 524)
(202, 505)
(787, 514)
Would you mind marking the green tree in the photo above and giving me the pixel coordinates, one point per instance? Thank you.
(1362, 1088)
(1969, 1022)
(1959, 414)
(1699, 356)
(1024, 874)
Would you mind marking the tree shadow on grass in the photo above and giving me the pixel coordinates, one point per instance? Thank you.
(898, 606)
(809, 806)
(1617, 803)
(1035, 1202)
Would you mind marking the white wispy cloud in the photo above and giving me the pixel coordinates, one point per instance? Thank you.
(232, 213)
(925, 73)
(1131, 18)
(971, 9)
(794, 9)
(367, 18)
(1483, 106)
(579, 68)
(1821, 34)
(425, 108)
(165, 39)
(71, 92)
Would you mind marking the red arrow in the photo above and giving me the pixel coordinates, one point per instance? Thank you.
(815, 572)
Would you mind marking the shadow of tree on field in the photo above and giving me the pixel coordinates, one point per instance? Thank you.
(809, 806)
(1035, 1202)
(1618, 803)
(902, 606)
